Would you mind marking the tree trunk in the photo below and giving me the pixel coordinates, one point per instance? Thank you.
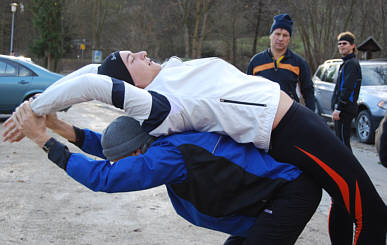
(49, 61)
(184, 6)
(203, 31)
(196, 29)
(255, 42)
(234, 38)
(99, 19)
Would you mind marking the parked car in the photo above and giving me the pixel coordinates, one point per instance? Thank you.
(21, 79)
(372, 98)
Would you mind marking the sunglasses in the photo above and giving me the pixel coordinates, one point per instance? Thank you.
(342, 43)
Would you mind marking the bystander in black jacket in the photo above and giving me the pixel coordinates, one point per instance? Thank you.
(347, 87)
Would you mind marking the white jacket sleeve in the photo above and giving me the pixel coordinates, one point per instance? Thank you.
(91, 68)
(137, 102)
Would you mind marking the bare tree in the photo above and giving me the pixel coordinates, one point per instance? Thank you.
(319, 22)
(233, 30)
(185, 6)
(203, 32)
(99, 14)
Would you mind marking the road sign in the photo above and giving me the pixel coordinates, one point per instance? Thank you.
(97, 56)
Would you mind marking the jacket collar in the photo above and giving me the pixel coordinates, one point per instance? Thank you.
(288, 53)
(350, 56)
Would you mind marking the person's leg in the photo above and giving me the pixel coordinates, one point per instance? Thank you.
(338, 129)
(343, 129)
(347, 129)
(303, 139)
(286, 215)
(340, 226)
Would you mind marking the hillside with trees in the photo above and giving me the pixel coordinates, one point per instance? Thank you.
(56, 33)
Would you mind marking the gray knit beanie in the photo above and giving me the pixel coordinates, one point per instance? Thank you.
(122, 137)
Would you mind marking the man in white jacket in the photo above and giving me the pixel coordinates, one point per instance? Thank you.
(212, 95)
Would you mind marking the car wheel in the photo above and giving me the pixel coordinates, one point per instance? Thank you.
(364, 127)
(28, 97)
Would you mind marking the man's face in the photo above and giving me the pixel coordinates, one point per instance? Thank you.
(279, 39)
(345, 48)
(142, 69)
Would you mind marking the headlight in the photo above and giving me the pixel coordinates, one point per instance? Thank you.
(382, 104)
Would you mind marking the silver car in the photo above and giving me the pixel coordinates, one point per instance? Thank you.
(372, 98)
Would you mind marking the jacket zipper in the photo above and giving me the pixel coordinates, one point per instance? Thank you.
(242, 103)
(275, 65)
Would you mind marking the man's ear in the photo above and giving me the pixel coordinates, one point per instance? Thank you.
(138, 152)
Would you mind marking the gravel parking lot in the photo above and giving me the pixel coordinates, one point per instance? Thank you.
(41, 205)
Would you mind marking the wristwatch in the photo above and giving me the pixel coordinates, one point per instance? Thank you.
(49, 144)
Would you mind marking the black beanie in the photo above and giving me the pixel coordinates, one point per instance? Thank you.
(282, 21)
(113, 66)
(348, 38)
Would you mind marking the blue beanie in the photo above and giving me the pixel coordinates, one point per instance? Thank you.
(282, 21)
(122, 137)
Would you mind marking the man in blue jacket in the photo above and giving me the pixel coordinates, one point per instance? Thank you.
(212, 181)
(279, 64)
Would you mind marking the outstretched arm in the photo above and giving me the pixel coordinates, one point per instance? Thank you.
(136, 102)
(12, 134)
(61, 127)
(161, 164)
(90, 87)
(79, 89)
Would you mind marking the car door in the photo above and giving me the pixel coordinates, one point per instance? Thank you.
(326, 88)
(15, 81)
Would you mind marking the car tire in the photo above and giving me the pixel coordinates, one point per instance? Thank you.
(365, 129)
(28, 97)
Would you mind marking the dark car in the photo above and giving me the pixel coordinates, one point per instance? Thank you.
(20, 79)
(372, 98)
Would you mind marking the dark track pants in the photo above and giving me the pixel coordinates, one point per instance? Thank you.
(303, 139)
(285, 215)
(343, 129)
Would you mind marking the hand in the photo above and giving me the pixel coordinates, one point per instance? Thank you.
(336, 115)
(32, 126)
(12, 133)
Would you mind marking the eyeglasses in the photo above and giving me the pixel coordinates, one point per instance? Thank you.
(342, 43)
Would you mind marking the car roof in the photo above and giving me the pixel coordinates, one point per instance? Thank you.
(374, 61)
(22, 58)
(378, 60)
(331, 61)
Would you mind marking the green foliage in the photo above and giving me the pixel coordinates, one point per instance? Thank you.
(47, 19)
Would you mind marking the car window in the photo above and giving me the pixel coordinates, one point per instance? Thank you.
(373, 75)
(319, 71)
(7, 69)
(323, 74)
(25, 72)
(331, 74)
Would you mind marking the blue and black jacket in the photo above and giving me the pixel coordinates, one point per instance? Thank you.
(289, 70)
(347, 87)
(212, 181)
